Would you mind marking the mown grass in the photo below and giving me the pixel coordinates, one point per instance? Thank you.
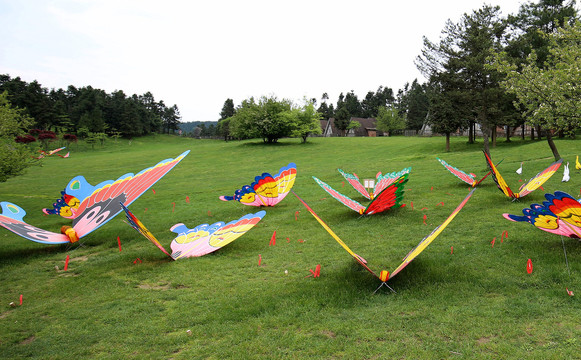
(478, 302)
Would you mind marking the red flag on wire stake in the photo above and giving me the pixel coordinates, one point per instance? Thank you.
(144, 211)
(424, 208)
(153, 191)
(432, 188)
(187, 199)
(316, 273)
(273, 239)
(440, 203)
(412, 205)
(569, 292)
(451, 249)
(174, 206)
(301, 241)
(67, 263)
(297, 215)
(342, 183)
(138, 260)
(504, 236)
(287, 240)
(209, 213)
(259, 259)
(493, 241)
(119, 243)
(20, 299)
(425, 217)
(529, 266)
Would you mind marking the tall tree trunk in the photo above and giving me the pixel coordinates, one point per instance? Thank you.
(522, 134)
(539, 133)
(532, 132)
(494, 136)
(553, 146)
(507, 133)
(485, 138)
(447, 142)
(471, 133)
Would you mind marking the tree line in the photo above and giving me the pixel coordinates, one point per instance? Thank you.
(89, 110)
(501, 71)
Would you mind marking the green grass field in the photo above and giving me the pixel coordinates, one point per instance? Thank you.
(477, 302)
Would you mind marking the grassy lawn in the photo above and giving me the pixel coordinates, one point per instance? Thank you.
(477, 302)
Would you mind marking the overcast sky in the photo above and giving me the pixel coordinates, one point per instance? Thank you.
(196, 54)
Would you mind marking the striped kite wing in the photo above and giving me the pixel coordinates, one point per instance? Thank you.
(498, 179)
(352, 204)
(353, 179)
(468, 179)
(428, 239)
(358, 258)
(140, 228)
(539, 179)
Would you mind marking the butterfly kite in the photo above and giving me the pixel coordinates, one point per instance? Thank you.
(529, 186)
(266, 190)
(52, 152)
(381, 181)
(201, 240)
(389, 197)
(95, 205)
(384, 275)
(469, 179)
(560, 214)
(79, 194)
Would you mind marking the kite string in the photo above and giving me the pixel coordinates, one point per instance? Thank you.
(565, 252)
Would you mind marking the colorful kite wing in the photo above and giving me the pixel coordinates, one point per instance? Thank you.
(204, 239)
(352, 204)
(12, 219)
(560, 215)
(358, 258)
(140, 228)
(80, 197)
(353, 179)
(266, 190)
(383, 181)
(539, 179)
(498, 179)
(468, 179)
(388, 197)
(428, 239)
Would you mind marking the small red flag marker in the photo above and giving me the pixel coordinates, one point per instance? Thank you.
(287, 240)
(432, 188)
(424, 208)
(493, 241)
(209, 213)
(138, 260)
(342, 183)
(529, 266)
(425, 217)
(153, 191)
(542, 188)
(20, 299)
(259, 259)
(297, 215)
(187, 199)
(440, 203)
(451, 249)
(504, 236)
(119, 242)
(301, 240)
(273, 239)
(569, 292)
(174, 206)
(318, 270)
(412, 204)
(67, 263)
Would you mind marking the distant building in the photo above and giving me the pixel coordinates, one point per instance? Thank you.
(367, 128)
